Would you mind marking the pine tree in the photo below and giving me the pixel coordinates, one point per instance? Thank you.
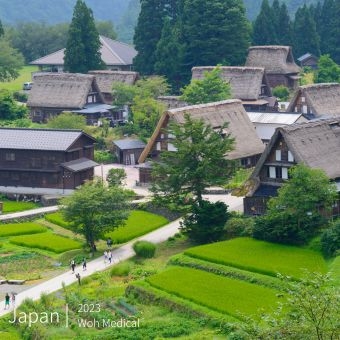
(83, 45)
(147, 34)
(305, 36)
(264, 31)
(284, 28)
(1, 29)
(327, 40)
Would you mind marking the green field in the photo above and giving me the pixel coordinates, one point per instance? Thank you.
(219, 293)
(139, 223)
(46, 241)
(16, 84)
(260, 256)
(21, 229)
(14, 206)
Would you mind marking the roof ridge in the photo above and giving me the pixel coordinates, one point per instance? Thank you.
(108, 46)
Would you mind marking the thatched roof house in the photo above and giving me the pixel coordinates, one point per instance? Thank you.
(278, 61)
(105, 79)
(250, 84)
(54, 93)
(248, 146)
(115, 54)
(316, 144)
(317, 100)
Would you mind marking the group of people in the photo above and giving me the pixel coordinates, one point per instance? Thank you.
(108, 256)
(8, 299)
(73, 267)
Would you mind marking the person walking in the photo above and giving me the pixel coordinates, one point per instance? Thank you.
(78, 277)
(109, 243)
(109, 254)
(13, 299)
(73, 266)
(7, 298)
(105, 256)
(84, 264)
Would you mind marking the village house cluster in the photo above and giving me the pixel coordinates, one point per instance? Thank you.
(268, 136)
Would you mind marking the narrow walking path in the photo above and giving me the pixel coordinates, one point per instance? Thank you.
(120, 254)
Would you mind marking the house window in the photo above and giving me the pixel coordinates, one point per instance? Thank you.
(272, 173)
(285, 173)
(278, 172)
(290, 157)
(10, 156)
(278, 155)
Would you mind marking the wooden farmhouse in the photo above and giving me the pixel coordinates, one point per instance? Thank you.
(278, 62)
(249, 84)
(106, 78)
(247, 149)
(308, 60)
(116, 55)
(128, 151)
(44, 161)
(315, 143)
(54, 93)
(317, 100)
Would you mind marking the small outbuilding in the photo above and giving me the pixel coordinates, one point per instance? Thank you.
(128, 151)
(309, 60)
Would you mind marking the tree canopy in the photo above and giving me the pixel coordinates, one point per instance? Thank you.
(211, 88)
(93, 210)
(9, 108)
(67, 120)
(11, 61)
(82, 51)
(328, 71)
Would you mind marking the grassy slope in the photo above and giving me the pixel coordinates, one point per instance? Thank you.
(262, 257)
(16, 84)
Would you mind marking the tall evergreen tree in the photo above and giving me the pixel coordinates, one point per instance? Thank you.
(326, 27)
(214, 32)
(1, 29)
(284, 27)
(83, 45)
(264, 28)
(305, 37)
(147, 34)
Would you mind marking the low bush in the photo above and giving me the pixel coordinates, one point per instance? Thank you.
(46, 241)
(261, 257)
(330, 240)
(121, 269)
(239, 226)
(104, 157)
(144, 249)
(21, 229)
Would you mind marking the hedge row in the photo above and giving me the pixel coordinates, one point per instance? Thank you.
(218, 269)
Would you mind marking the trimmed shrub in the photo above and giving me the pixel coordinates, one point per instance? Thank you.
(330, 240)
(144, 249)
(239, 226)
(121, 269)
(281, 92)
(104, 157)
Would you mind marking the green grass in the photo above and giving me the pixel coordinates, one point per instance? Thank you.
(13, 206)
(139, 223)
(46, 241)
(21, 229)
(57, 218)
(16, 84)
(219, 293)
(335, 271)
(260, 256)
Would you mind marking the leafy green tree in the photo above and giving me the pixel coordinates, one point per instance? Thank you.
(67, 120)
(281, 92)
(305, 40)
(211, 88)
(206, 221)
(9, 109)
(295, 214)
(93, 210)
(199, 161)
(147, 34)
(11, 61)
(328, 71)
(265, 26)
(82, 51)
(116, 177)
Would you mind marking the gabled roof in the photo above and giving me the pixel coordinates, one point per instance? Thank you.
(39, 139)
(307, 56)
(113, 53)
(245, 82)
(62, 90)
(316, 144)
(106, 78)
(80, 164)
(275, 59)
(128, 144)
(322, 99)
(247, 143)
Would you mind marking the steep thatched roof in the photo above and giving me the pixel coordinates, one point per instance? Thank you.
(172, 102)
(321, 99)
(245, 82)
(275, 59)
(62, 90)
(106, 78)
(247, 143)
(316, 144)
(113, 53)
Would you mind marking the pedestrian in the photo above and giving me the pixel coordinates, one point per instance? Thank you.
(84, 263)
(13, 299)
(78, 277)
(105, 256)
(73, 266)
(109, 254)
(7, 301)
(109, 242)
